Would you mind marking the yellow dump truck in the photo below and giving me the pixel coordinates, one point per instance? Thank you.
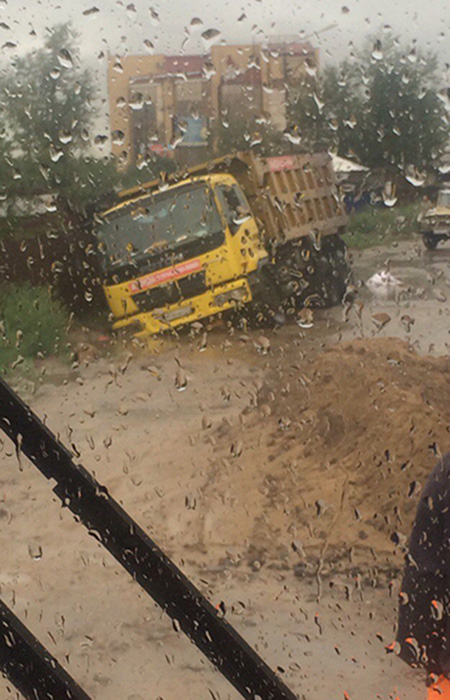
(257, 234)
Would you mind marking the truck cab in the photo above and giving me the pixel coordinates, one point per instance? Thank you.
(179, 253)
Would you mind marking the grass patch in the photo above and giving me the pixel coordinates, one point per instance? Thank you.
(375, 226)
(32, 326)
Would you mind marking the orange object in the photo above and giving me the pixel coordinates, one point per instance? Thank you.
(439, 690)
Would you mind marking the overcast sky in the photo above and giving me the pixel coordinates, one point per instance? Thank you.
(135, 27)
(122, 26)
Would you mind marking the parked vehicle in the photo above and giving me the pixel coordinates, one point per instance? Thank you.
(435, 222)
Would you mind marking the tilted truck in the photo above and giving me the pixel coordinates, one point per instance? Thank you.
(240, 231)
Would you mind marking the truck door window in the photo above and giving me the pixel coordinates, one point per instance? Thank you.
(234, 205)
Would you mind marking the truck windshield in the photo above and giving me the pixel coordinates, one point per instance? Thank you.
(162, 221)
(444, 199)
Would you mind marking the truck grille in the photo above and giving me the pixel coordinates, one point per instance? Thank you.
(184, 288)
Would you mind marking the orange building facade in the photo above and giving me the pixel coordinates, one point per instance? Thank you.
(159, 103)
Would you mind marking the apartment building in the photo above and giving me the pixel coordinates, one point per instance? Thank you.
(159, 103)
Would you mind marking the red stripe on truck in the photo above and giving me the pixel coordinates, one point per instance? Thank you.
(171, 273)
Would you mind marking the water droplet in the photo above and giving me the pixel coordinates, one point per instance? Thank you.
(412, 56)
(388, 195)
(154, 15)
(65, 136)
(180, 377)
(55, 154)
(35, 551)
(136, 102)
(65, 59)
(380, 320)
(236, 448)
(100, 139)
(210, 35)
(414, 177)
(377, 52)
(437, 610)
(118, 137)
(176, 625)
(51, 207)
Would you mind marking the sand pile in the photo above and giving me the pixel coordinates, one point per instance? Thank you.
(330, 461)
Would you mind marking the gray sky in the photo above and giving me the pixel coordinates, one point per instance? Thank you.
(125, 26)
(122, 26)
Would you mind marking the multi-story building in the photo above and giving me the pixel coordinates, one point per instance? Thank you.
(159, 102)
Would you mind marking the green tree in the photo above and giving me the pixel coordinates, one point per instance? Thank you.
(308, 114)
(382, 108)
(48, 107)
(255, 134)
(48, 99)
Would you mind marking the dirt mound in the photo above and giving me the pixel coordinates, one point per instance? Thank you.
(328, 464)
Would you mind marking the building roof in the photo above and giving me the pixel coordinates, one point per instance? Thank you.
(293, 48)
(173, 66)
(251, 76)
(187, 65)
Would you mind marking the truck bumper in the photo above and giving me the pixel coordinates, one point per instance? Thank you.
(220, 298)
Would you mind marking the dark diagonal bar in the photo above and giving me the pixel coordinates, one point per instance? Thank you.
(29, 666)
(139, 555)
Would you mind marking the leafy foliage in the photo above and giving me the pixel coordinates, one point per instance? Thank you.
(32, 324)
(242, 135)
(49, 103)
(47, 109)
(381, 108)
(49, 98)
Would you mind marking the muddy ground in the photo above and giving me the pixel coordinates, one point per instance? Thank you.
(280, 470)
